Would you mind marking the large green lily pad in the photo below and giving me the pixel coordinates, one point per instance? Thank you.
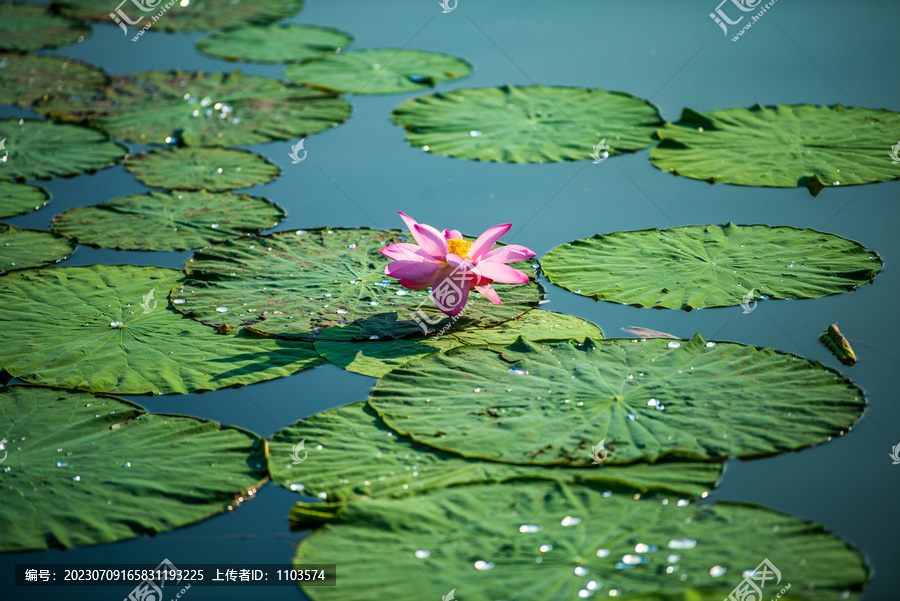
(532, 124)
(27, 78)
(200, 109)
(175, 220)
(41, 149)
(379, 71)
(84, 469)
(32, 27)
(545, 541)
(107, 328)
(16, 199)
(550, 403)
(366, 348)
(782, 146)
(352, 454)
(212, 169)
(196, 15)
(710, 266)
(294, 284)
(281, 43)
(21, 248)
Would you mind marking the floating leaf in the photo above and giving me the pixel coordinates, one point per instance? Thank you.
(532, 124)
(710, 266)
(32, 27)
(21, 248)
(837, 344)
(352, 454)
(363, 347)
(379, 71)
(106, 328)
(40, 149)
(84, 469)
(783, 146)
(212, 169)
(281, 43)
(202, 109)
(550, 403)
(209, 15)
(541, 541)
(26, 78)
(293, 284)
(16, 199)
(175, 220)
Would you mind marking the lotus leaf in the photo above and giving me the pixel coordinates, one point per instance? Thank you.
(212, 169)
(294, 284)
(710, 266)
(107, 328)
(175, 220)
(551, 403)
(84, 469)
(782, 146)
(20, 248)
(379, 71)
(533, 124)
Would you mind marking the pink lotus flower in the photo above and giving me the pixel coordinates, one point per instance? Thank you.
(453, 266)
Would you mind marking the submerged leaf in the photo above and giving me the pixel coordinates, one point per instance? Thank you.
(85, 469)
(700, 266)
(646, 333)
(550, 403)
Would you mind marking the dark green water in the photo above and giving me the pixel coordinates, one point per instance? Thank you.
(361, 173)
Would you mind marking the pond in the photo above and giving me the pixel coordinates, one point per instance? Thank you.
(361, 173)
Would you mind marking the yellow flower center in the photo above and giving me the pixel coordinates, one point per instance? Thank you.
(459, 247)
